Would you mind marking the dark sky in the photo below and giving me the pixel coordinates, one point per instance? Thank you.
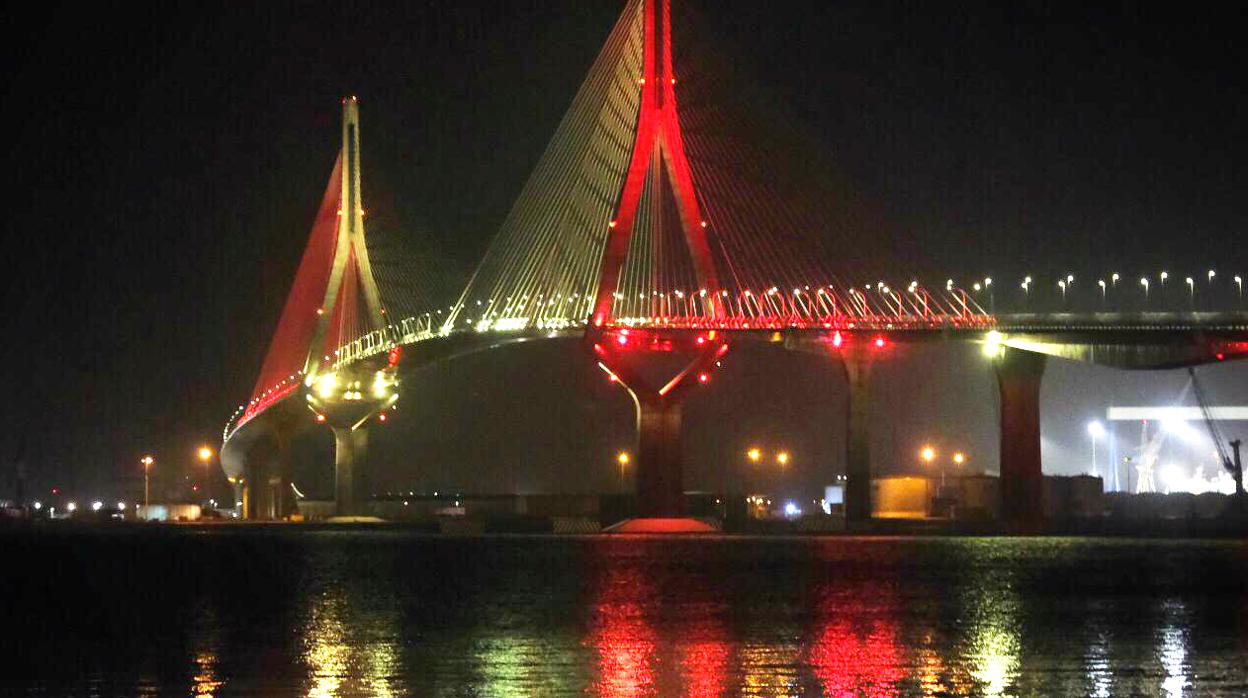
(165, 161)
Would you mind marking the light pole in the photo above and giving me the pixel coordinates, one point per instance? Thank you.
(1163, 277)
(1101, 283)
(1144, 283)
(622, 458)
(1239, 286)
(1095, 431)
(1191, 289)
(928, 454)
(1061, 283)
(147, 462)
(1113, 279)
(991, 298)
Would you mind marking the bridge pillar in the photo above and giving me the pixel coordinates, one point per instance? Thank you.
(658, 470)
(857, 363)
(1019, 374)
(659, 473)
(266, 493)
(350, 451)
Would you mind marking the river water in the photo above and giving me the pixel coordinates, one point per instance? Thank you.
(282, 611)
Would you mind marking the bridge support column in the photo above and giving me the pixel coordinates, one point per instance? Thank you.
(265, 490)
(857, 363)
(658, 469)
(350, 452)
(660, 478)
(1019, 374)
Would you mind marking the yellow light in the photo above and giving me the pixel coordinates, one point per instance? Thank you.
(204, 454)
(754, 455)
(782, 458)
(928, 454)
(622, 458)
(993, 344)
(959, 458)
(326, 384)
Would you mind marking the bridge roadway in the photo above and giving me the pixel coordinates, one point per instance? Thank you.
(258, 451)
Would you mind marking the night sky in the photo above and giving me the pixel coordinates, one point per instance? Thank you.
(165, 162)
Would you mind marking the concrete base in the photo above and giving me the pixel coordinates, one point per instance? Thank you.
(664, 526)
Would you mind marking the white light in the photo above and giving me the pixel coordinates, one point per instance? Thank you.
(96, 506)
(121, 506)
(1096, 430)
(993, 344)
(791, 509)
(1173, 478)
(71, 506)
(38, 506)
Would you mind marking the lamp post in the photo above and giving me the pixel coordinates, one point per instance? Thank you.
(623, 459)
(147, 462)
(1191, 289)
(928, 454)
(1113, 279)
(1144, 283)
(1239, 286)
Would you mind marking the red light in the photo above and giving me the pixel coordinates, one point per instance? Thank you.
(621, 339)
(395, 354)
(611, 378)
(701, 340)
(879, 342)
(320, 418)
(56, 490)
(1221, 356)
(381, 417)
(837, 339)
(194, 488)
(704, 378)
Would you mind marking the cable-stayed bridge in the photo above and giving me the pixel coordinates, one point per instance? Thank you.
(634, 236)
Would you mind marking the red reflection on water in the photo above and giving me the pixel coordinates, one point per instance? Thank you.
(704, 663)
(622, 637)
(854, 651)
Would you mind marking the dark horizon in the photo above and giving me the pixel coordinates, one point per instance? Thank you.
(166, 162)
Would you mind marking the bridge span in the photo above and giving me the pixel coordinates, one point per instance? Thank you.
(639, 250)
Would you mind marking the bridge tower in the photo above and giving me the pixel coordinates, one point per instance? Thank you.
(334, 300)
(657, 136)
(348, 399)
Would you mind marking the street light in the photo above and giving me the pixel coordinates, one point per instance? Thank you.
(1191, 289)
(959, 458)
(147, 462)
(1113, 279)
(1239, 286)
(782, 458)
(1212, 274)
(928, 454)
(1144, 283)
(1061, 283)
(1101, 283)
(1095, 430)
(754, 454)
(623, 459)
(204, 454)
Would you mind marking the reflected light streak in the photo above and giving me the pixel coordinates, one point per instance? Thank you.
(1173, 651)
(856, 659)
(622, 637)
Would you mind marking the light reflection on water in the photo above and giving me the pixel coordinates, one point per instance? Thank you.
(387, 613)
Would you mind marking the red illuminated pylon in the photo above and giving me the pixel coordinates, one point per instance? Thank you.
(657, 135)
(333, 276)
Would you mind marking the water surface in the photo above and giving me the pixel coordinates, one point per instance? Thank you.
(284, 611)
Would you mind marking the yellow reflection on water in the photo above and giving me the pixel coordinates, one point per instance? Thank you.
(206, 682)
(991, 652)
(340, 663)
(769, 669)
